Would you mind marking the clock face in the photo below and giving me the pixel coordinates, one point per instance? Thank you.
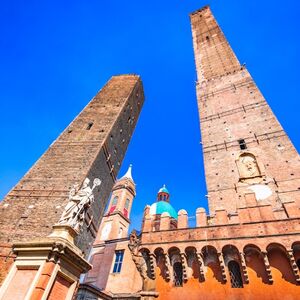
(105, 231)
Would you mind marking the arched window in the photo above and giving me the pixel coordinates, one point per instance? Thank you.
(113, 204)
(115, 201)
(178, 274)
(235, 274)
(126, 206)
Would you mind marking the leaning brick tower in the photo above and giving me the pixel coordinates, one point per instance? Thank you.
(92, 146)
(244, 146)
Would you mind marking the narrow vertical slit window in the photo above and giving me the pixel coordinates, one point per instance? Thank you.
(119, 254)
(89, 126)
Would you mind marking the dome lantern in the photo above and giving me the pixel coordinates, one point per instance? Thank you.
(163, 194)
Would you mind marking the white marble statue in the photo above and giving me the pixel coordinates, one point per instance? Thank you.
(79, 202)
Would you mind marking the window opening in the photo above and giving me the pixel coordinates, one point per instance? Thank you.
(115, 201)
(113, 204)
(178, 274)
(242, 144)
(89, 126)
(235, 274)
(118, 261)
(126, 206)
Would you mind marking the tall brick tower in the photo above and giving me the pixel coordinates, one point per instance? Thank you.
(245, 148)
(91, 147)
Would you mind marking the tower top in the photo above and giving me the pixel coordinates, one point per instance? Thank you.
(213, 55)
(162, 204)
(163, 190)
(200, 10)
(128, 174)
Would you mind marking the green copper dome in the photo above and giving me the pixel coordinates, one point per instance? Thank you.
(160, 207)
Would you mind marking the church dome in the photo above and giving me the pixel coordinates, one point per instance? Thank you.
(160, 207)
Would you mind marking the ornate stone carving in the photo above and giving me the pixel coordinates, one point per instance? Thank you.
(134, 241)
(144, 262)
(138, 259)
(79, 202)
(248, 166)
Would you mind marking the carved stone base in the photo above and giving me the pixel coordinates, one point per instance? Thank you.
(64, 231)
(46, 267)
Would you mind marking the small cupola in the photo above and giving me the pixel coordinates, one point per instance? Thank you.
(163, 194)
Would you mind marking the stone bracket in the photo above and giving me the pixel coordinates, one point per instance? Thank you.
(294, 265)
(222, 265)
(184, 266)
(201, 265)
(244, 268)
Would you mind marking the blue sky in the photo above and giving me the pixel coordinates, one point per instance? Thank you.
(56, 55)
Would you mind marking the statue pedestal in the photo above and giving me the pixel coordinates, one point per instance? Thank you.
(46, 268)
(65, 232)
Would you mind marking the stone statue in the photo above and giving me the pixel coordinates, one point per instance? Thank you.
(79, 202)
(134, 241)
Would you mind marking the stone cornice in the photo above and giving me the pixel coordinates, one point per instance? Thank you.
(56, 249)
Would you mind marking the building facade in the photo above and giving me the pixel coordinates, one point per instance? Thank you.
(248, 245)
